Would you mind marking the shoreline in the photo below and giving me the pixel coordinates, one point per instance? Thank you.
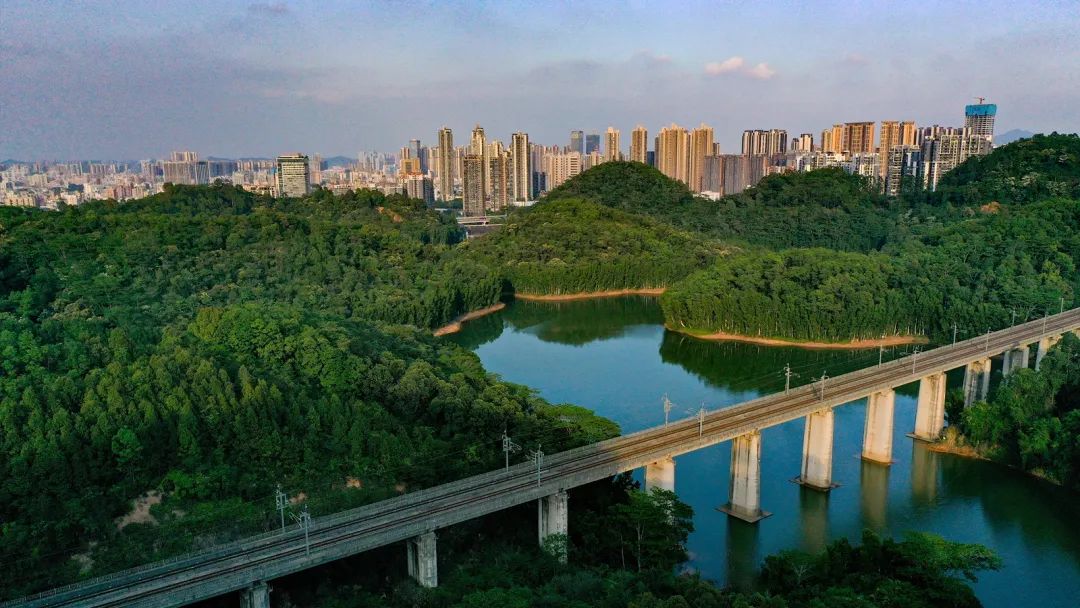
(455, 326)
(852, 345)
(589, 295)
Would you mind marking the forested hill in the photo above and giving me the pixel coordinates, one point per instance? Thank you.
(567, 245)
(1001, 237)
(825, 208)
(207, 344)
(1028, 170)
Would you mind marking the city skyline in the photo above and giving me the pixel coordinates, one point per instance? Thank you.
(254, 79)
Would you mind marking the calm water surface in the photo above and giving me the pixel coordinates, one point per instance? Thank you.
(614, 357)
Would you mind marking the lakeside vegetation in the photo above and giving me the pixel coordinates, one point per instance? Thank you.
(567, 246)
(1032, 422)
(205, 344)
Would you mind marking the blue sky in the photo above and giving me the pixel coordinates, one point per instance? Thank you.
(132, 79)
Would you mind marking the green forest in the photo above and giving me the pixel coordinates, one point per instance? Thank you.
(1032, 421)
(572, 246)
(206, 344)
(970, 267)
(190, 351)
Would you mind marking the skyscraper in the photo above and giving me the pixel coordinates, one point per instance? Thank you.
(701, 145)
(417, 153)
(612, 147)
(639, 145)
(521, 167)
(592, 143)
(560, 167)
(479, 149)
(858, 137)
(293, 175)
(894, 133)
(673, 153)
(804, 143)
(446, 164)
(577, 142)
(980, 119)
(760, 142)
(499, 170)
(832, 140)
(472, 187)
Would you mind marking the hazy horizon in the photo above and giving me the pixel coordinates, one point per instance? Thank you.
(131, 80)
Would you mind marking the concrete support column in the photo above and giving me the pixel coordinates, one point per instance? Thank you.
(1015, 359)
(817, 451)
(553, 518)
(877, 437)
(660, 474)
(976, 381)
(744, 494)
(423, 561)
(255, 596)
(1044, 347)
(930, 415)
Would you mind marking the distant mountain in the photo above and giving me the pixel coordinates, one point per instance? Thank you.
(1010, 136)
(338, 161)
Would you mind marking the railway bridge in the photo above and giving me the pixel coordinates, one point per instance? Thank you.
(247, 566)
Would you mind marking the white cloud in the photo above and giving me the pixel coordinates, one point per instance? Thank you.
(730, 64)
(761, 71)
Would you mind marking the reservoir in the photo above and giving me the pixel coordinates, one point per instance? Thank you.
(614, 357)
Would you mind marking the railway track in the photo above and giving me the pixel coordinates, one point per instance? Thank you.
(220, 570)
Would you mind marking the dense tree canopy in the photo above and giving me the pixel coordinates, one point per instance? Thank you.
(571, 245)
(208, 344)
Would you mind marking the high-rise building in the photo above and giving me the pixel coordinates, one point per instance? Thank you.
(713, 178)
(592, 143)
(446, 164)
(522, 167)
(701, 145)
(858, 137)
(832, 140)
(894, 133)
(577, 142)
(479, 148)
(673, 153)
(903, 166)
(420, 186)
(639, 145)
(415, 151)
(940, 154)
(472, 186)
(560, 167)
(184, 156)
(499, 170)
(293, 175)
(612, 147)
(979, 118)
(803, 143)
(760, 142)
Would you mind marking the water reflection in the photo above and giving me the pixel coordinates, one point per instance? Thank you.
(874, 494)
(924, 473)
(588, 353)
(814, 519)
(742, 555)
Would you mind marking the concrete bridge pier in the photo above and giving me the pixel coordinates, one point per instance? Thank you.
(423, 561)
(744, 495)
(255, 596)
(660, 474)
(930, 414)
(1044, 347)
(553, 514)
(976, 381)
(818, 451)
(1015, 359)
(877, 436)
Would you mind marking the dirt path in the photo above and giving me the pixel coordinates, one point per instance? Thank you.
(852, 345)
(455, 325)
